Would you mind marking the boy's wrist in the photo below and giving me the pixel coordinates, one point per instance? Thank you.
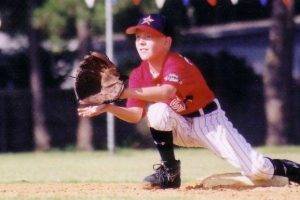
(125, 94)
(108, 107)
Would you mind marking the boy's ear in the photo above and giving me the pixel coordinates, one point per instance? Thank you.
(168, 41)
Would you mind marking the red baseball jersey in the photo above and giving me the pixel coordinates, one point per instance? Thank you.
(192, 91)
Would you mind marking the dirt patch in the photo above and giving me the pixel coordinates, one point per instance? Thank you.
(138, 191)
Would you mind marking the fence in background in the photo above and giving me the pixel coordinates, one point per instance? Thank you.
(61, 121)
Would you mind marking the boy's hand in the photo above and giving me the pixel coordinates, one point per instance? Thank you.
(91, 110)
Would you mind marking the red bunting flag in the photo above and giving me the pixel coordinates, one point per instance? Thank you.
(287, 3)
(136, 2)
(212, 2)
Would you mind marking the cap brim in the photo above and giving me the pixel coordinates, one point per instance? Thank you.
(133, 30)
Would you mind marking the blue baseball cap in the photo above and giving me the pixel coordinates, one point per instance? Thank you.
(152, 23)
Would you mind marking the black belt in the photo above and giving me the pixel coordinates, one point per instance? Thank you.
(207, 109)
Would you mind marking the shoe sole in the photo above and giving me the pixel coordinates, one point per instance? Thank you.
(150, 186)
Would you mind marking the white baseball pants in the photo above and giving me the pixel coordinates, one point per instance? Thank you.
(215, 132)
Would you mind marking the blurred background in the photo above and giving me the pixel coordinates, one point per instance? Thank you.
(248, 51)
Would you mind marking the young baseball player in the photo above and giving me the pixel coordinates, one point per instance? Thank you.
(181, 109)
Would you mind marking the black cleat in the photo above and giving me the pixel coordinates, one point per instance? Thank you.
(165, 177)
(288, 169)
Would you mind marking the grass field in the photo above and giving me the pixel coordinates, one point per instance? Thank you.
(91, 175)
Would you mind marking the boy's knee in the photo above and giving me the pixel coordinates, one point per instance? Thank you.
(158, 116)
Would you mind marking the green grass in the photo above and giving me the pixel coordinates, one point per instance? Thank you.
(126, 165)
(71, 168)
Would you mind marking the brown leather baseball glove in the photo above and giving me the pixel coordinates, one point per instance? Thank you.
(97, 80)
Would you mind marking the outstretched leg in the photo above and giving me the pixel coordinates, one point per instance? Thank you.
(226, 142)
(220, 136)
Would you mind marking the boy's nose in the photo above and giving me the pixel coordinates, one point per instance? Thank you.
(142, 42)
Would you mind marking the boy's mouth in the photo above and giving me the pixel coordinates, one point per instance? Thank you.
(143, 50)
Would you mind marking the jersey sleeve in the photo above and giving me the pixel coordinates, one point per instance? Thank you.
(135, 82)
(173, 74)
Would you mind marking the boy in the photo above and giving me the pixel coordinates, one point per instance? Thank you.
(181, 109)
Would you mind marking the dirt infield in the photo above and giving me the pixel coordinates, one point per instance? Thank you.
(138, 191)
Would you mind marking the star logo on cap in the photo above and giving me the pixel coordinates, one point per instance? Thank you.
(147, 20)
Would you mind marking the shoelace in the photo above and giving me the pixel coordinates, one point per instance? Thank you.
(161, 172)
(159, 169)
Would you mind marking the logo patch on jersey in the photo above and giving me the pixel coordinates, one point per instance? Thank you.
(172, 78)
(177, 105)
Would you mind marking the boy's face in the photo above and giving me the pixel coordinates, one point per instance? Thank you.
(150, 46)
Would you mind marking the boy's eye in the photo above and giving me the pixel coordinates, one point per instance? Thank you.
(144, 37)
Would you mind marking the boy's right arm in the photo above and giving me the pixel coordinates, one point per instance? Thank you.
(131, 114)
